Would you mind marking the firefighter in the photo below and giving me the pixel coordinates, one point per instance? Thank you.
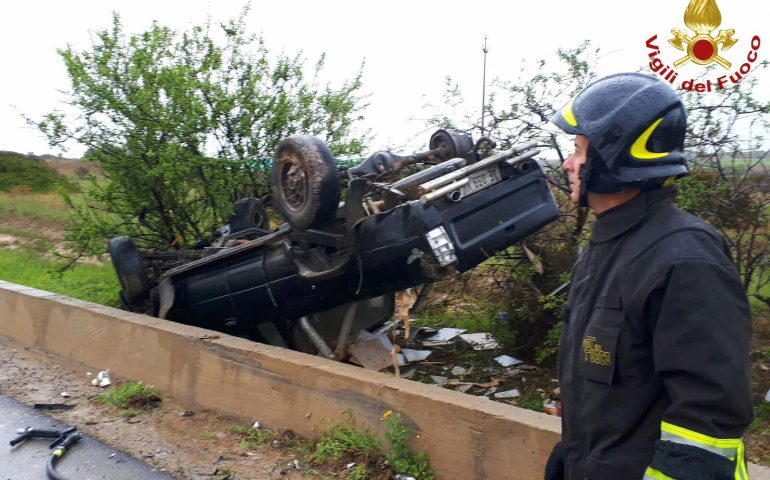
(654, 353)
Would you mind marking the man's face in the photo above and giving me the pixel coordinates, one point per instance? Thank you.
(572, 166)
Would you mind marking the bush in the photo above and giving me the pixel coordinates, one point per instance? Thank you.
(21, 174)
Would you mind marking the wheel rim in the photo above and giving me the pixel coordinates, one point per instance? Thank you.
(294, 183)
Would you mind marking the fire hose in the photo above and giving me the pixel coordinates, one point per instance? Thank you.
(64, 439)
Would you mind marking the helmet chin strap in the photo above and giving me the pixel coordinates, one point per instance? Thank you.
(585, 175)
(595, 178)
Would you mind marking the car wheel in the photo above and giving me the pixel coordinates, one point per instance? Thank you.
(127, 260)
(249, 212)
(305, 181)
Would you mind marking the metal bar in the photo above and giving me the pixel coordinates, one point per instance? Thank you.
(228, 252)
(480, 165)
(446, 189)
(342, 341)
(523, 156)
(421, 298)
(315, 338)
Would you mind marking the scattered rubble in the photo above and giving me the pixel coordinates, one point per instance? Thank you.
(443, 336)
(480, 341)
(508, 394)
(102, 379)
(506, 361)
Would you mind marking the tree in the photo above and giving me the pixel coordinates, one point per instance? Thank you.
(182, 125)
(729, 184)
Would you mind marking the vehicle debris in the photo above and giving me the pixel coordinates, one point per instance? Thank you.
(411, 355)
(508, 394)
(457, 371)
(53, 406)
(506, 361)
(480, 341)
(767, 396)
(443, 336)
(374, 352)
(439, 380)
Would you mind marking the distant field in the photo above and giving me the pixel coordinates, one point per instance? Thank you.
(46, 207)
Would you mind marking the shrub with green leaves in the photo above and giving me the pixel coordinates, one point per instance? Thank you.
(28, 173)
(184, 123)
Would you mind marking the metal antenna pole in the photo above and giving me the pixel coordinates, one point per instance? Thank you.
(484, 84)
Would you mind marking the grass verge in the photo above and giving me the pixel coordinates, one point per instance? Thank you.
(342, 446)
(131, 398)
(93, 283)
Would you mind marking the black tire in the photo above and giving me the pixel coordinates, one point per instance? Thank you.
(305, 182)
(249, 212)
(127, 260)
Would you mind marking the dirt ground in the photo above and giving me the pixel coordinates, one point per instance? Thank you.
(183, 440)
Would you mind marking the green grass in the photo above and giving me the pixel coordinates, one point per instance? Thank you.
(46, 207)
(761, 421)
(254, 437)
(530, 401)
(131, 398)
(93, 283)
(342, 438)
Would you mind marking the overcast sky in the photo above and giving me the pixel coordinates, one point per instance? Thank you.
(409, 46)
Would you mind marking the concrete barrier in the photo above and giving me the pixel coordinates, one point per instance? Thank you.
(466, 437)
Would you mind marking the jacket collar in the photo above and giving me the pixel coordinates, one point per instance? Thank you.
(618, 220)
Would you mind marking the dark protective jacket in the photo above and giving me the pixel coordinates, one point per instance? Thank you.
(654, 354)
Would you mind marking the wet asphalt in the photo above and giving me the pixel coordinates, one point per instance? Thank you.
(88, 459)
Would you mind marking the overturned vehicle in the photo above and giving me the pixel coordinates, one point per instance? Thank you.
(352, 237)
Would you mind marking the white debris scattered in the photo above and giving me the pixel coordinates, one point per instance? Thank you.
(480, 341)
(415, 355)
(403, 477)
(65, 394)
(443, 336)
(439, 380)
(508, 394)
(458, 371)
(463, 388)
(767, 396)
(507, 361)
(102, 379)
(256, 425)
(350, 465)
(373, 351)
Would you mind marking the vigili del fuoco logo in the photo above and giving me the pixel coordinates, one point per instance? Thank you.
(701, 44)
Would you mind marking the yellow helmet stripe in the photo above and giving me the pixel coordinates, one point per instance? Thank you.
(568, 115)
(639, 148)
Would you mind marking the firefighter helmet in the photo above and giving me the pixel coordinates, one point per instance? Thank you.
(635, 126)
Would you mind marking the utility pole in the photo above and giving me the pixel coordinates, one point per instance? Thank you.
(484, 84)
